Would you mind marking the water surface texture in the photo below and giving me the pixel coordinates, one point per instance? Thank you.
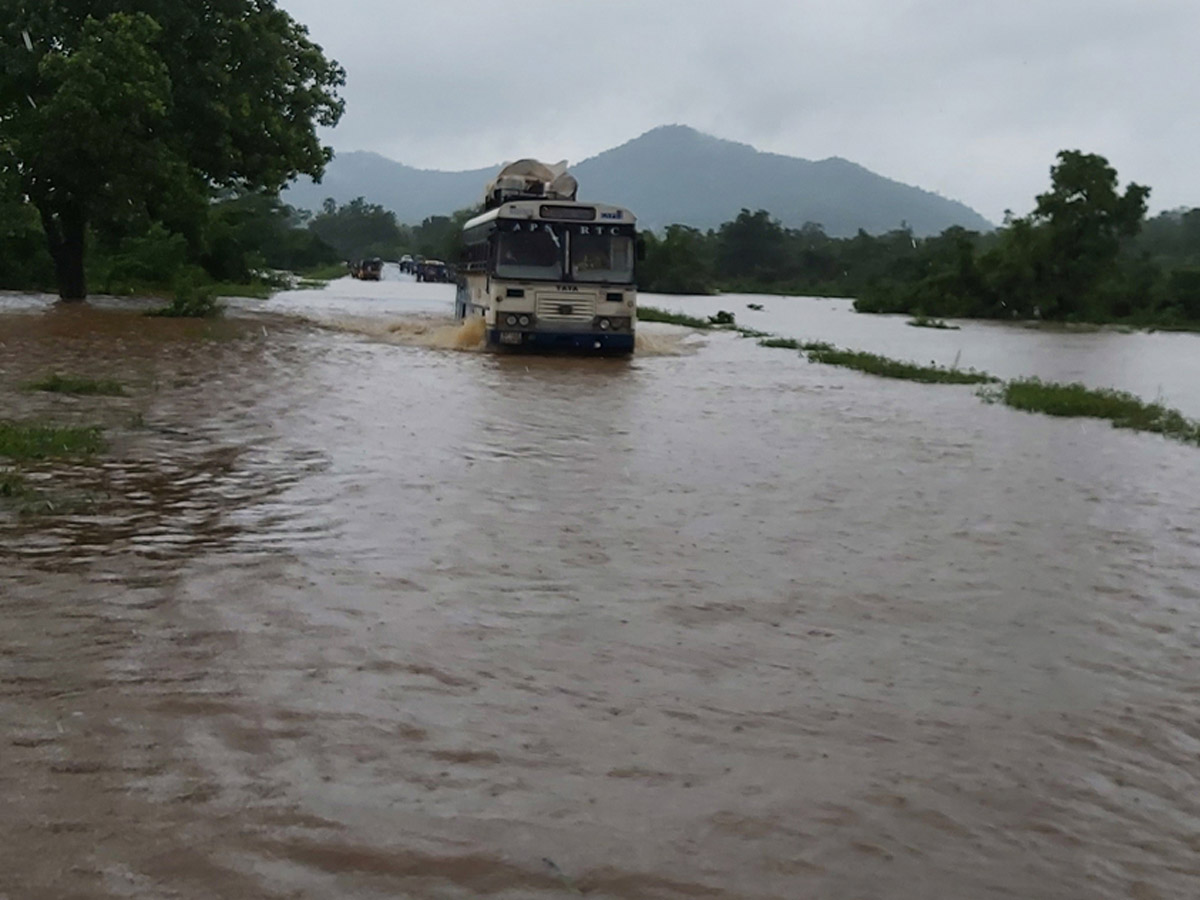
(346, 613)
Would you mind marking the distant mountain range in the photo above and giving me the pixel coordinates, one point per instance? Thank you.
(673, 174)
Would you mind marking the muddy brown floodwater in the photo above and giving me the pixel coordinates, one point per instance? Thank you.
(344, 615)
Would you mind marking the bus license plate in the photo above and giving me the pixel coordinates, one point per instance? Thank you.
(510, 337)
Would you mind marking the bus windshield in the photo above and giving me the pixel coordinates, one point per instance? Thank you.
(602, 257)
(530, 254)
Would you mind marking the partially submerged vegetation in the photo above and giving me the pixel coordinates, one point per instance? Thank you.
(780, 342)
(30, 440)
(920, 321)
(191, 302)
(654, 314)
(875, 364)
(77, 384)
(1123, 409)
(13, 486)
(723, 319)
(26, 442)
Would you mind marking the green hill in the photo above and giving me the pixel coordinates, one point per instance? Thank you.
(668, 175)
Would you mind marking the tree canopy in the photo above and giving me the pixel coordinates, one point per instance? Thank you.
(116, 112)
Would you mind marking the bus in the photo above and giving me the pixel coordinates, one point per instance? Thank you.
(547, 272)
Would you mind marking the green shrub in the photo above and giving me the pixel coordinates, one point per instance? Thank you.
(191, 301)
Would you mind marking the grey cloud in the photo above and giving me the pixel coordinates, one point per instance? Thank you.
(969, 98)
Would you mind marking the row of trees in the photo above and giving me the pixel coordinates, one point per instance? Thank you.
(1086, 252)
(361, 229)
(236, 240)
(755, 254)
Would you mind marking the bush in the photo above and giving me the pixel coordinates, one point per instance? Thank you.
(191, 301)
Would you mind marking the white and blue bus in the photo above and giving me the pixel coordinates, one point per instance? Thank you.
(546, 272)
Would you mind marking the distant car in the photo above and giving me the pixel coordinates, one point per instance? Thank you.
(433, 270)
(407, 264)
(368, 269)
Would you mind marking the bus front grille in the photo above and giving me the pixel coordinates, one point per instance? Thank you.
(565, 307)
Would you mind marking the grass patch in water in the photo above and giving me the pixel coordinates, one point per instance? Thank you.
(1123, 409)
(13, 486)
(873, 364)
(926, 322)
(25, 440)
(781, 342)
(16, 495)
(75, 384)
(654, 314)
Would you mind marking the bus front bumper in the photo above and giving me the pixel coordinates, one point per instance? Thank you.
(561, 341)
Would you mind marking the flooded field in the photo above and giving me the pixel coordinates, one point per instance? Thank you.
(346, 612)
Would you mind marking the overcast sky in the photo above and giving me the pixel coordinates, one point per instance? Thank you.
(969, 98)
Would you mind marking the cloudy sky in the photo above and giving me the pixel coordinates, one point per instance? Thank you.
(969, 98)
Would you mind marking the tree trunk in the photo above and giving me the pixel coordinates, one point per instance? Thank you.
(65, 231)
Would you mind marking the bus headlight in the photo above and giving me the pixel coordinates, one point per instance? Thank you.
(510, 320)
(524, 320)
(604, 324)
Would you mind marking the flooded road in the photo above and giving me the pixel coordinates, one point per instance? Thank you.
(343, 613)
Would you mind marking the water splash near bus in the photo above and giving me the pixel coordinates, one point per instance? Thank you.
(675, 342)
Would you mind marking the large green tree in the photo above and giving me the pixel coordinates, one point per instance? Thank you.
(1081, 222)
(119, 110)
(357, 229)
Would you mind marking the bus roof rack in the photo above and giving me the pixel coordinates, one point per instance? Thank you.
(529, 179)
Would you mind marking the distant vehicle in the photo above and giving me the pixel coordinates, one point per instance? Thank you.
(433, 270)
(407, 264)
(367, 269)
(546, 272)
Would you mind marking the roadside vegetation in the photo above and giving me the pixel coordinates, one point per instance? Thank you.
(1123, 409)
(13, 485)
(922, 321)
(191, 302)
(654, 314)
(77, 384)
(22, 441)
(874, 364)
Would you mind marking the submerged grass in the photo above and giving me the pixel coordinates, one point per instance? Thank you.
(1124, 410)
(926, 322)
(781, 342)
(654, 314)
(13, 486)
(26, 440)
(873, 364)
(75, 384)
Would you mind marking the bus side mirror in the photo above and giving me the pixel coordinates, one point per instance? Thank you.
(641, 249)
